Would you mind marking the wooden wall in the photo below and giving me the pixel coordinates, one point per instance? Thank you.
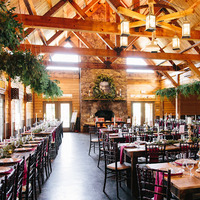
(26, 109)
(136, 84)
(69, 84)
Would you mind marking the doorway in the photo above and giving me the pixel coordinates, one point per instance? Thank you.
(143, 112)
(2, 115)
(59, 110)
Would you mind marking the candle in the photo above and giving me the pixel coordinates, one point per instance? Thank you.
(189, 120)
(24, 129)
(195, 117)
(89, 93)
(120, 92)
(36, 119)
(114, 120)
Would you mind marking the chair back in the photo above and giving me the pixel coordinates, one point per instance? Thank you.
(154, 153)
(191, 148)
(31, 175)
(151, 183)
(8, 183)
(19, 179)
(110, 153)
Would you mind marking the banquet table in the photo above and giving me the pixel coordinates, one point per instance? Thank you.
(134, 154)
(184, 186)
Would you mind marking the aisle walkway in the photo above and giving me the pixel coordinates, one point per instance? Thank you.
(75, 175)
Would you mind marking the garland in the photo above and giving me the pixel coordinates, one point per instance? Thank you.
(98, 93)
(30, 71)
(10, 29)
(186, 90)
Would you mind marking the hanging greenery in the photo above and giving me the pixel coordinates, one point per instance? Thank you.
(186, 90)
(30, 71)
(10, 29)
(109, 92)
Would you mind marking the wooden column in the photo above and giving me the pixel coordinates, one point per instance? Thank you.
(178, 100)
(33, 108)
(24, 106)
(8, 133)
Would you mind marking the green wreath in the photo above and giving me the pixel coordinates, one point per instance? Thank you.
(98, 93)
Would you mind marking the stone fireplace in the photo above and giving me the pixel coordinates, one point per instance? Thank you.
(91, 107)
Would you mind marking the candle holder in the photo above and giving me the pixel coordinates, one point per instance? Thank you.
(189, 134)
(198, 169)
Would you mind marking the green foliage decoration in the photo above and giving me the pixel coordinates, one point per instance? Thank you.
(186, 90)
(30, 71)
(98, 93)
(10, 29)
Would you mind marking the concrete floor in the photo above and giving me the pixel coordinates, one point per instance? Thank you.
(76, 176)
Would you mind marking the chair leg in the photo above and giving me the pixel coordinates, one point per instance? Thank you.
(99, 158)
(117, 185)
(104, 185)
(89, 149)
(94, 147)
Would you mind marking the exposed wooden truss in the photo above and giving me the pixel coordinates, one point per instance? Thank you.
(57, 23)
(110, 53)
(91, 65)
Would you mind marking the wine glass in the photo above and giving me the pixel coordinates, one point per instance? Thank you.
(16, 143)
(190, 166)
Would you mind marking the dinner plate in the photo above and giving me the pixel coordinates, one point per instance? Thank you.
(29, 145)
(9, 160)
(34, 142)
(4, 170)
(188, 161)
(131, 145)
(174, 170)
(23, 149)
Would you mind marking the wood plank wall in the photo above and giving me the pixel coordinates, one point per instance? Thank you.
(143, 82)
(188, 106)
(69, 84)
(10, 114)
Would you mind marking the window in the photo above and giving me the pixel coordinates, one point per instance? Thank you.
(142, 112)
(50, 111)
(68, 58)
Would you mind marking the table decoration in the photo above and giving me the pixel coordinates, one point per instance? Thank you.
(5, 170)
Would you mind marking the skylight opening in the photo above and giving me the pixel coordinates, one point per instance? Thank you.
(140, 71)
(135, 61)
(65, 57)
(62, 68)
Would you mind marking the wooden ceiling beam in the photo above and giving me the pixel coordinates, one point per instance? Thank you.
(91, 65)
(57, 23)
(49, 3)
(110, 53)
(193, 68)
(87, 44)
(78, 10)
(174, 83)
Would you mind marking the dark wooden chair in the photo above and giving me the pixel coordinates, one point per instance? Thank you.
(19, 180)
(155, 153)
(43, 160)
(93, 138)
(152, 185)
(113, 168)
(48, 158)
(29, 190)
(39, 160)
(8, 186)
(190, 148)
(1, 189)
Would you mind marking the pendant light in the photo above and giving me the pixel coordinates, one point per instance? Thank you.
(151, 19)
(125, 28)
(123, 41)
(186, 29)
(176, 43)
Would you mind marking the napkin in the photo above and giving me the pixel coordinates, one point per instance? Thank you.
(158, 181)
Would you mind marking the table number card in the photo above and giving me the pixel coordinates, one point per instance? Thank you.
(182, 129)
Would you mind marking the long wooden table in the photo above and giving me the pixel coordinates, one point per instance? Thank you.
(134, 154)
(184, 187)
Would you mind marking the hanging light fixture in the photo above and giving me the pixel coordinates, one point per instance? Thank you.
(186, 29)
(152, 46)
(151, 19)
(125, 28)
(123, 41)
(176, 43)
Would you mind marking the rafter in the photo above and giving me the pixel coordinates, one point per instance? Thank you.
(174, 83)
(92, 65)
(110, 53)
(193, 68)
(90, 26)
